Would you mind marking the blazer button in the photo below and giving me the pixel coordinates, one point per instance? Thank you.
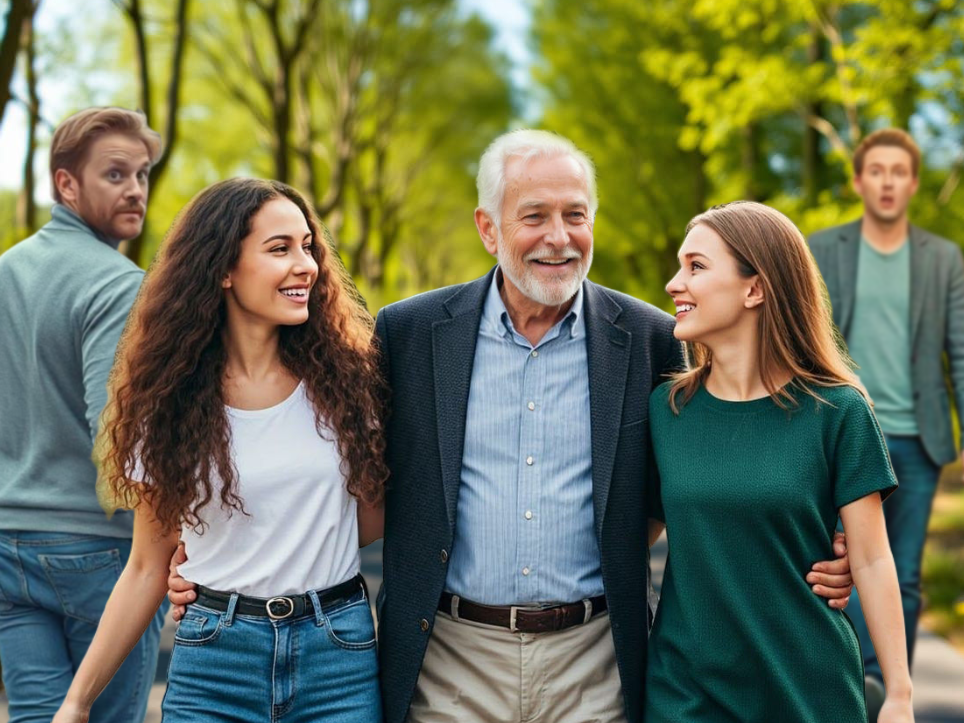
(423, 624)
(444, 556)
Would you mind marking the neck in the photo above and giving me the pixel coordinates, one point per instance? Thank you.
(253, 354)
(884, 235)
(735, 374)
(530, 318)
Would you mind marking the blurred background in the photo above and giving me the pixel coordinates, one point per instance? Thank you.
(379, 109)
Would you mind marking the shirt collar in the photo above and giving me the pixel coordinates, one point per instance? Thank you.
(495, 315)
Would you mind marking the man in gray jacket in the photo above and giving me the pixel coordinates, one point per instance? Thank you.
(64, 298)
(898, 299)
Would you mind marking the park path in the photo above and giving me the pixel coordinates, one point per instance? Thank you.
(938, 668)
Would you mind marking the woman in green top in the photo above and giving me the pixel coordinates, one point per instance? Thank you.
(761, 443)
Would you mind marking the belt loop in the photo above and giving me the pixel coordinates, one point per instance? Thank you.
(316, 604)
(588, 603)
(229, 613)
(455, 607)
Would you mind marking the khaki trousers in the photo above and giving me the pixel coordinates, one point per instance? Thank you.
(481, 673)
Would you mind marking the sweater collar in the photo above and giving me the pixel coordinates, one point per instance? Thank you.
(66, 217)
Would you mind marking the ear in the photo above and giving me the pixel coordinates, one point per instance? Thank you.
(754, 296)
(67, 185)
(487, 231)
(858, 185)
(914, 185)
(226, 281)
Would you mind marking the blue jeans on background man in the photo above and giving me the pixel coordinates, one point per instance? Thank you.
(321, 666)
(53, 588)
(907, 512)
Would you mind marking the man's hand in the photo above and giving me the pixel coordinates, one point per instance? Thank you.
(832, 580)
(179, 591)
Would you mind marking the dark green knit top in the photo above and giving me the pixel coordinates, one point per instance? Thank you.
(750, 494)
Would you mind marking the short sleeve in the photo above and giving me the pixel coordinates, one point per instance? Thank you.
(658, 409)
(860, 462)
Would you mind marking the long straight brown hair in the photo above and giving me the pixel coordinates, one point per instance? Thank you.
(796, 331)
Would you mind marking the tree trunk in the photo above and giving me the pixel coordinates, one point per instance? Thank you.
(814, 165)
(28, 205)
(20, 11)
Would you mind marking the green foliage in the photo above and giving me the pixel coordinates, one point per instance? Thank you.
(687, 104)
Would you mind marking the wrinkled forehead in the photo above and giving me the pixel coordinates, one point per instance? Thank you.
(116, 148)
(558, 176)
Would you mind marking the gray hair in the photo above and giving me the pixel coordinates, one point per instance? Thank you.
(526, 144)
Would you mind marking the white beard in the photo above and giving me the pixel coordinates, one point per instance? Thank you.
(557, 291)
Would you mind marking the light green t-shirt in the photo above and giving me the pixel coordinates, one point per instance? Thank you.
(879, 339)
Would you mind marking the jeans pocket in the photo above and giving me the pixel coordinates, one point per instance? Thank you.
(199, 626)
(83, 582)
(351, 627)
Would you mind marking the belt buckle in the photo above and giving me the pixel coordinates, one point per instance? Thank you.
(280, 600)
(514, 609)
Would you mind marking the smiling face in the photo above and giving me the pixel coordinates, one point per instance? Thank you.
(886, 183)
(110, 191)
(275, 270)
(713, 298)
(544, 243)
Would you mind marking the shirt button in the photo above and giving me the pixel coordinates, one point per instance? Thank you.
(444, 556)
(525, 570)
(534, 353)
(528, 514)
(531, 406)
(529, 461)
(423, 624)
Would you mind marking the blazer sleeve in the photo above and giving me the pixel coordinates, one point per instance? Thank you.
(954, 334)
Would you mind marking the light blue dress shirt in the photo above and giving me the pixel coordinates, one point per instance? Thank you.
(524, 527)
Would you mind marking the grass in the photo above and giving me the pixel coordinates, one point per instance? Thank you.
(943, 571)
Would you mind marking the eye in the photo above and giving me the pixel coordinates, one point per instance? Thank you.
(696, 265)
(577, 215)
(531, 217)
(309, 247)
(280, 247)
(114, 175)
(142, 175)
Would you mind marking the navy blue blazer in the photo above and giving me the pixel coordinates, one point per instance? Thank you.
(428, 348)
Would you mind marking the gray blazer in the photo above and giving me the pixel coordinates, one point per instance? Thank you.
(428, 347)
(936, 319)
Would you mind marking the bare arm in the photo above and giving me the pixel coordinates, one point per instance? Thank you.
(371, 523)
(873, 570)
(655, 530)
(133, 603)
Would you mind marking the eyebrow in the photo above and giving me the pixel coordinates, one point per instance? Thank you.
(285, 237)
(693, 254)
(527, 205)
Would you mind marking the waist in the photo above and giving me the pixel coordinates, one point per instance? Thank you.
(523, 618)
(281, 607)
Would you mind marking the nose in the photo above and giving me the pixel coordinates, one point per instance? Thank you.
(305, 263)
(556, 232)
(675, 285)
(135, 190)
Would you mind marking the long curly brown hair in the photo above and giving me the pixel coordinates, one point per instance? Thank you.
(166, 423)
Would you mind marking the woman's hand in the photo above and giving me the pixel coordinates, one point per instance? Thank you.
(896, 711)
(71, 713)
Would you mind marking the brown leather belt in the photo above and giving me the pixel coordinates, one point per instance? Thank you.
(523, 619)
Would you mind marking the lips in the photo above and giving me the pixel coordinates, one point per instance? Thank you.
(684, 307)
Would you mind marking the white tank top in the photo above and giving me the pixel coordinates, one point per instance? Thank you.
(301, 530)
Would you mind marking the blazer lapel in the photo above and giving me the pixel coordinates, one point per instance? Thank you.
(607, 350)
(848, 251)
(453, 354)
(920, 263)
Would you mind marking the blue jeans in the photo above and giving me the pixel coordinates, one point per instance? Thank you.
(907, 512)
(231, 667)
(53, 588)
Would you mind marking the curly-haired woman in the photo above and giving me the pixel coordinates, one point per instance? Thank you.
(245, 416)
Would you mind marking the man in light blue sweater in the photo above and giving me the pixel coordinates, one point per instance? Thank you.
(64, 298)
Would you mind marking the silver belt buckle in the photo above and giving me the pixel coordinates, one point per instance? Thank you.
(513, 609)
(282, 600)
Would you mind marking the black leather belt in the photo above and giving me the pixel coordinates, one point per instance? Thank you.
(283, 606)
(522, 618)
